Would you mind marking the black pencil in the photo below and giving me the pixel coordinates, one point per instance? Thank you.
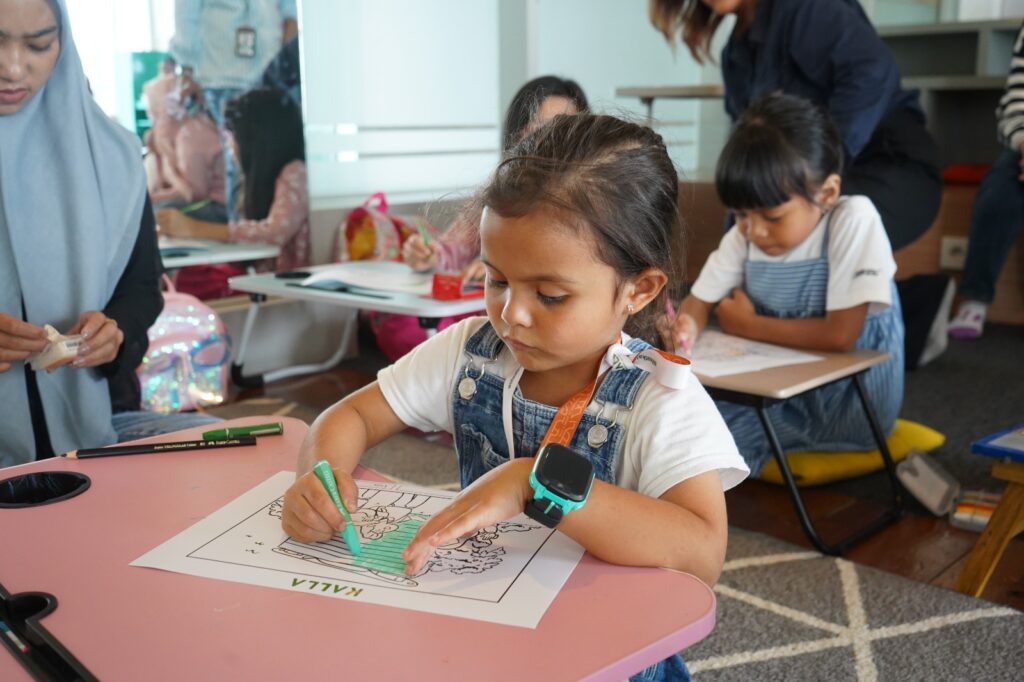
(149, 448)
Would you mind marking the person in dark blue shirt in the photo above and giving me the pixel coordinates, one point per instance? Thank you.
(826, 51)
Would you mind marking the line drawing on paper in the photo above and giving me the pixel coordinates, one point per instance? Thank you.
(386, 522)
(482, 566)
(506, 573)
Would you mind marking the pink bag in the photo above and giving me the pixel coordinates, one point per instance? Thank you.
(369, 232)
(186, 365)
(398, 334)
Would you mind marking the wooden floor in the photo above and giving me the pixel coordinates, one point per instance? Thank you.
(919, 547)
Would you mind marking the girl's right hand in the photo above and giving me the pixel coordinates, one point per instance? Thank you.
(685, 332)
(18, 340)
(419, 256)
(309, 514)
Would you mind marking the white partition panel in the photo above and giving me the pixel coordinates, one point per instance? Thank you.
(608, 44)
(400, 96)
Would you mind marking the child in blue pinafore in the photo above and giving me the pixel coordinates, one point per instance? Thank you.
(578, 236)
(803, 267)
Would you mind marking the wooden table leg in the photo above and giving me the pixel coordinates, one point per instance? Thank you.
(1006, 522)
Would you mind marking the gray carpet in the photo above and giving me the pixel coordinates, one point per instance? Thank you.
(785, 613)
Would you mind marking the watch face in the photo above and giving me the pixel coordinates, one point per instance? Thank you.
(564, 472)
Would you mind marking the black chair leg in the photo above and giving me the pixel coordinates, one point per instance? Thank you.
(890, 515)
(883, 446)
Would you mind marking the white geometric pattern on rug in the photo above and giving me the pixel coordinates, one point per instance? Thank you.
(857, 635)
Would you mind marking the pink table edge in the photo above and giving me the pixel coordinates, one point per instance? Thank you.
(592, 585)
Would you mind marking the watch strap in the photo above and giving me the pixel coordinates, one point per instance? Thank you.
(545, 511)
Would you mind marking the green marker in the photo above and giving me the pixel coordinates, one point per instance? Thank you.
(255, 430)
(195, 206)
(422, 229)
(322, 469)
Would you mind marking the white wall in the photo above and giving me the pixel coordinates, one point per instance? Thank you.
(407, 96)
(609, 44)
(399, 96)
(105, 31)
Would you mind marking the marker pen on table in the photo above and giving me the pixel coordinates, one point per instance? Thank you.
(322, 470)
(153, 448)
(271, 429)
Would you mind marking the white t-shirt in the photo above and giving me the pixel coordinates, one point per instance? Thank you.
(860, 262)
(670, 435)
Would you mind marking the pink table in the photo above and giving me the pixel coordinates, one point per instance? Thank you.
(123, 622)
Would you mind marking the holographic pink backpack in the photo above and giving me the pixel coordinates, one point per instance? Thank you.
(186, 365)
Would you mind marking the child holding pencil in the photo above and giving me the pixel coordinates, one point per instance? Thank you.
(802, 267)
(554, 363)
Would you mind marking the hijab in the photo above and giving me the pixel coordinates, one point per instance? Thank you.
(72, 191)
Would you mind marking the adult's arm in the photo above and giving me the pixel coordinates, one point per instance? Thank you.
(834, 45)
(288, 212)
(1011, 106)
(136, 301)
(185, 43)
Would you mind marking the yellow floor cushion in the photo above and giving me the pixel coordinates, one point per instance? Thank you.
(818, 468)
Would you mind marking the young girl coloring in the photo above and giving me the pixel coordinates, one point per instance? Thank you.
(803, 267)
(564, 278)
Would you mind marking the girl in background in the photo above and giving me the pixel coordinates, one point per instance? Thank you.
(189, 159)
(802, 267)
(828, 52)
(565, 280)
(275, 198)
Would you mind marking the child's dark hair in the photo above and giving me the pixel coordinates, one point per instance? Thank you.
(782, 146)
(267, 126)
(606, 176)
(527, 101)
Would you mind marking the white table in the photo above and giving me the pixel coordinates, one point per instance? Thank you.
(428, 310)
(648, 94)
(180, 253)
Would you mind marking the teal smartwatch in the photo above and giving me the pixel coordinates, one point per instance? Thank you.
(561, 482)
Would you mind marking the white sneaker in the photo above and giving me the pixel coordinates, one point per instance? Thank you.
(969, 320)
(938, 335)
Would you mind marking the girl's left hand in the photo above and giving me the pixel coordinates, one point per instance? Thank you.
(736, 312)
(498, 495)
(101, 339)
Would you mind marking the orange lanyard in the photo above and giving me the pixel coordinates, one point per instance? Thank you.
(570, 414)
(670, 370)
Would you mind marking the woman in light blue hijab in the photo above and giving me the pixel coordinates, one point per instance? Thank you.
(77, 243)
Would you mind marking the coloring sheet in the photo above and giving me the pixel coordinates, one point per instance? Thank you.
(717, 354)
(506, 573)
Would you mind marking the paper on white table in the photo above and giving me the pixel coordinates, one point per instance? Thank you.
(368, 274)
(717, 354)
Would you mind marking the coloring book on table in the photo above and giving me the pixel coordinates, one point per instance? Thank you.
(505, 573)
(718, 354)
